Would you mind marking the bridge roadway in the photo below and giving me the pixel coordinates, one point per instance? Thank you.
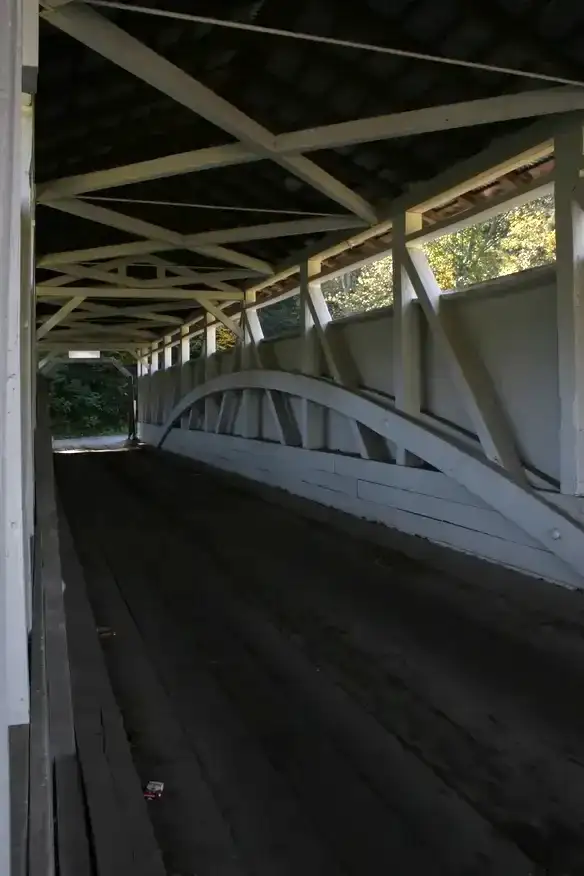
(318, 705)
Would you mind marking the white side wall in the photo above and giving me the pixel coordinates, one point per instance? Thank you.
(511, 321)
(512, 324)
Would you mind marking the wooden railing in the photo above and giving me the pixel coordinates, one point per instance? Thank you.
(58, 831)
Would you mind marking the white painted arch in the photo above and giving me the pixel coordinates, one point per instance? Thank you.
(553, 529)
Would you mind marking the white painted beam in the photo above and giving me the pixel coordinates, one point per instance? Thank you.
(185, 345)
(103, 276)
(102, 344)
(267, 231)
(407, 358)
(14, 586)
(222, 317)
(555, 531)
(113, 43)
(214, 279)
(159, 238)
(570, 306)
(414, 122)
(120, 292)
(468, 371)
(315, 320)
(30, 45)
(204, 240)
(518, 150)
(98, 331)
(157, 168)
(137, 310)
(167, 352)
(527, 104)
(103, 311)
(58, 317)
(113, 251)
(310, 351)
(136, 328)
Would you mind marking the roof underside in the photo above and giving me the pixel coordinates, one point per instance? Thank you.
(91, 115)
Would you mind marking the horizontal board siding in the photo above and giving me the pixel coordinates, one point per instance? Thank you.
(418, 480)
(415, 501)
(479, 519)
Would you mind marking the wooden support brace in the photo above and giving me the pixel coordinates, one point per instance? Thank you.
(407, 365)
(570, 305)
(468, 371)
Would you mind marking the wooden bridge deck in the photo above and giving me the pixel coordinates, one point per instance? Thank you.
(318, 705)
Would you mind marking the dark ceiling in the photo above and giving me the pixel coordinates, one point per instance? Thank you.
(91, 115)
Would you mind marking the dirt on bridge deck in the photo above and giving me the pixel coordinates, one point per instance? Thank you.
(317, 705)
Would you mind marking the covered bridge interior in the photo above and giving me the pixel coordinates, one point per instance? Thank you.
(330, 593)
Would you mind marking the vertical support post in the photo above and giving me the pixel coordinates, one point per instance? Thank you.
(28, 350)
(166, 394)
(466, 367)
(155, 383)
(154, 357)
(13, 640)
(407, 367)
(142, 363)
(167, 352)
(210, 348)
(310, 351)
(185, 345)
(184, 382)
(569, 150)
(142, 388)
(247, 361)
(14, 496)
(314, 325)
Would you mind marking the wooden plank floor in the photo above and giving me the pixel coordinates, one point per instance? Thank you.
(122, 838)
(319, 706)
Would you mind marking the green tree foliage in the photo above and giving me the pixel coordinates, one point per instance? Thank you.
(225, 341)
(93, 399)
(88, 400)
(280, 318)
(366, 288)
(513, 241)
(225, 338)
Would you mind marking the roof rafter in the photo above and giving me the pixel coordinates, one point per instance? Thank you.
(58, 317)
(110, 41)
(89, 273)
(430, 119)
(266, 231)
(158, 238)
(128, 293)
(103, 311)
(136, 309)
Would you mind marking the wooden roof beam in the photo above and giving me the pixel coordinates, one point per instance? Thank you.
(158, 238)
(485, 111)
(110, 41)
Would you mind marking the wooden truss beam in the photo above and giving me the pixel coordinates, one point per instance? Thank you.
(158, 238)
(128, 293)
(230, 235)
(467, 369)
(85, 272)
(406, 124)
(58, 317)
(110, 41)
